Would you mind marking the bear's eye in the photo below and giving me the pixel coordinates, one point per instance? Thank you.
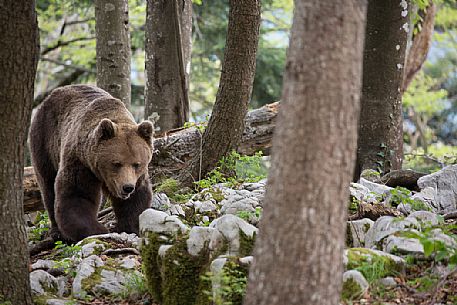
(136, 165)
(117, 164)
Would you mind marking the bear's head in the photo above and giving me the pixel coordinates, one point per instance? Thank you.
(122, 155)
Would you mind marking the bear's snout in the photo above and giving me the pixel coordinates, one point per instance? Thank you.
(128, 188)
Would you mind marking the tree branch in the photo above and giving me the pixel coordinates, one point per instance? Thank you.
(61, 43)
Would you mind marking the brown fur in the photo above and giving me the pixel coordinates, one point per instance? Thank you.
(85, 142)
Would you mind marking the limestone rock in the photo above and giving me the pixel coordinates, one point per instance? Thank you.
(160, 222)
(42, 282)
(444, 183)
(354, 285)
(385, 226)
(357, 231)
(85, 269)
(230, 226)
(403, 245)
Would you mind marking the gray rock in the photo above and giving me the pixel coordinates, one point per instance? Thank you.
(362, 193)
(253, 186)
(388, 282)
(199, 237)
(354, 284)
(176, 209)
(427, 196)
(160, 222)
(112, 282)
(385, 226)
(437, 234)
(160, 202)
(129, 262)
(207, 206)
(163, 250)
(43, 264)
(230, 226)
(375, 187)
(357, 231)
(403, 245)
(247, 260)
(59, 302)
(362, 255)
(405, 208)
(232, 206)
(42, 282)
(85, 270)
(444, 183)
(128, 239)
(425, 218)
(92, 247)
(216, 280)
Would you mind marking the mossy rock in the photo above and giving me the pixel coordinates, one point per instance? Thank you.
(374, 264)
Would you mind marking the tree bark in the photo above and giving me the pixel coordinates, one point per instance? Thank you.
(380, 143)
(18, 63)
(176, 150)
(113, 48)
(299, 250)
(420, 45)
(225, 126)
(168, 48)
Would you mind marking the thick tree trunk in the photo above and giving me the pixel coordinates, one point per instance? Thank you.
(18, 62)
(380, 143)
(420, 45)
(168, 48)
(225, 126)
(113, 48)
(176, 150)
(299, 249)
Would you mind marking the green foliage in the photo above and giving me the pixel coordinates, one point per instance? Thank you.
(235, 169)
(232, 284)
(424, 283)
(401, 195)
(374, 269)
(436, 249)
(134, 286)
(437, 157)
(42, 225)
(246, 215)
(65, 250)
(423, 96)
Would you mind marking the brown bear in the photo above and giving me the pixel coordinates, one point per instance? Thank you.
(84, 143)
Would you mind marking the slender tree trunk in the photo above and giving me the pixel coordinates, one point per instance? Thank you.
(299, 251)
(18, 62)
(420, 46)
(226, 124)
(380, 143)
(168, 49)
(113, 48)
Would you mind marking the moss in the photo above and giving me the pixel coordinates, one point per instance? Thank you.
(351, 290)
(37, 300)
(349, 240)
(216, 193)
(89, 282)
(168, 186)
(373, 266)
(246, 244)
(181, 274)
(151, 269)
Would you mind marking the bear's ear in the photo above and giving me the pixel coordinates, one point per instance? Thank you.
(105, 130)
(146, 131)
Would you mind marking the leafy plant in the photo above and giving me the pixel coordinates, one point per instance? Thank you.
(247, 215)
(235, 169)
(401, 195)
(41, 226)
(232, 285)
(67, 250)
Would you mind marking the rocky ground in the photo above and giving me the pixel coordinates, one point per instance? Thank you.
(401, 249)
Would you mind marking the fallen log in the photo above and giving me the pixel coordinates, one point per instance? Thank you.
(175, 149)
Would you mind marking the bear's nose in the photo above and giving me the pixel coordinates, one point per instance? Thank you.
(128, 188)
